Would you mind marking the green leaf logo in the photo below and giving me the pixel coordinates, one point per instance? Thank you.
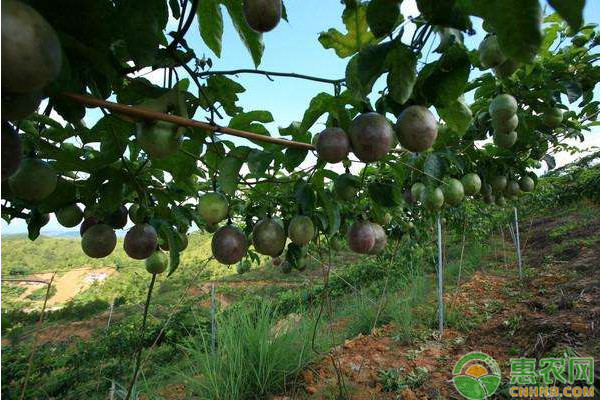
(476, 376)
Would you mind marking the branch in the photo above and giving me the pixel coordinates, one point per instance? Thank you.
(141, 113)
(271, 73)
(181, 33)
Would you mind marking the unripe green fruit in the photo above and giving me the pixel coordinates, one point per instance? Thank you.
(69, 216)
(136, 214)
(416, 128)
(98, 241)
(490, 54)
(159, 139)
(500, 201)
(553, 118)
(505, 140)
(506, 69)
(34, 180)
(301, 230)
(489, 199)
(453, 192)
(157, 263)
(499, 183)
(371, 136)
(503, 107)
(512, 188)
(346, 186)
(526, 184)
(416, 189)
(432, 198)
(213, 207)
(243, 266)
(486, 189)
(268, 237)
(118, 218)
(471, 184)
(505, 125)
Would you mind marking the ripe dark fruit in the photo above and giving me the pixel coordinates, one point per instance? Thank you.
(159, 139)
(118, 218)
(503, 107)
(471, 184)
(416, 189)
(380, 239)
(301, 230)
(157, 263)
(262, 15)
(505, 140)
(229, 245)
(140, 241)
(31, 53)
(19, 105)
(346, 186)
(12, 152)
(69, 216)
(361, 237)
(34, 180)
(87, 224)
(553, 118)
(371, 136)
(136, 214)
(489, 199)
(490, 54)
(432, 198)
(99, 241)
(499, 183)
(486, 189)
(333, 145)
(268, 237)
(526, 184)
(505, 125)
(506, 69)
(213, 207)
(416, 128)
(453, 191)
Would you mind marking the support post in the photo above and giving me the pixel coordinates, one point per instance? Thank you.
(213, 322)
(518, 245)
(440, 276)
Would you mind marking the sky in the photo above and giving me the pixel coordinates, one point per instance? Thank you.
(291, 47)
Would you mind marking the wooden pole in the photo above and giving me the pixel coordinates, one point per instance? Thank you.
(440, 288)
(518, 244)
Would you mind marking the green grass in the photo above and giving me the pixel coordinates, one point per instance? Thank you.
(39, 294)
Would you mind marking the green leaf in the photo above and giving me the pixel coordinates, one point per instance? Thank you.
(363, 69)
(383, 16)
(210, 22)
(224, 90)
(305, 196)
(180, 164)
(517, 24)
(34, 224)
(166, 230)
(570, 10)
(385, 194)
(244, 120)
(258, 162)
(433, 168)
(358, 36)
(111, 192)
(402, 64)
(251, 39)
(445, 13)
(332, 210)
(457, 115)
(293, 158)
(229, 169)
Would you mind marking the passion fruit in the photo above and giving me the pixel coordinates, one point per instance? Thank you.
(333, 145)
(136, 214)
(140, 241)
(301, 230)
(416, 189)
(159, 139)
(526, 184)
(416, 128)
(12, 152)
(553, 118)
(489, 199)
(499, 183)
(505, 140)
(157, 263)
(361, 237)
(380, 239)
(453, 191)
(69, 216)
(471, 184)
(512, 188)
(31, 52)
(34, 180)
(432, 198)
(213, 207)
(500, 201)
(503, 107)
(229, 245)
(118, 218)
(87, 224)
(383, 218)
(19, 105)
(98, 241)
(490, 54)
(268, 237)
(505, 125)
(262, 15)
(506, 69)
(486, 189)
(183, 239)
(371, 136)
(346, 186)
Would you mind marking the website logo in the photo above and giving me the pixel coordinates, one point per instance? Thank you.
(476, 376)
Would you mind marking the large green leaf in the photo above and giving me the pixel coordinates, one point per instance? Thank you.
(221, 89)
(210, 22)
(383, 16)
(357, 37)
(444, 13)
(229, 169)
(332, 210)
(457, 115)
(402, 64)
(386, 194)
(363, 69)
(570, 10)
(251, 39)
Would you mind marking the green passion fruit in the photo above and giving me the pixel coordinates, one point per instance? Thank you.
(486, 189)
(490, 54)
(416, 189)
(500, 201)
(512, 188)
(416, 128)
(262, 15)
(500, 125)
(371, 136)
(503, 107)
(361, 237)
(505, 140)
(157, 263)
(489, 199)
(229, 245)
(140, 241)
(213, 207)
(471, 184)
(268, 237)
(346, 186)
(31, 52)
(159, 139)
(301, 230)
(553, 118)
(34, 180)
(99, 241)
(12, 151)
(432, 198)
(454, 192)
(69, 216)
(499, 183)
(506, 69)
(333, 145)
(526, 184)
